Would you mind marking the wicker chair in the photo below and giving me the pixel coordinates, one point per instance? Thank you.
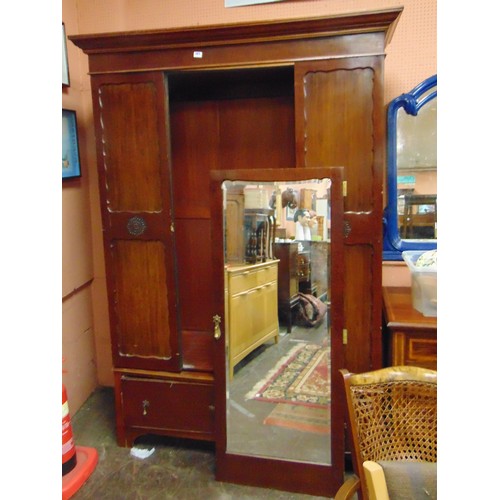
(392, 416)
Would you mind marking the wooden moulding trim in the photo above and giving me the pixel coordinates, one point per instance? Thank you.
(264, 31)
(412, 326)
(182, 376)
(132, 62)
(133, 432)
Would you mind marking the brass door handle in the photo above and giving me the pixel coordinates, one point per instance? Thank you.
(217, 333)
(145, 405)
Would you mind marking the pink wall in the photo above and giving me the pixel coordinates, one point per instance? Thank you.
(395, 274)
(78, 342)
(411, 57)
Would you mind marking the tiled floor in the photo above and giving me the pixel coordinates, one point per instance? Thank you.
(177, 469)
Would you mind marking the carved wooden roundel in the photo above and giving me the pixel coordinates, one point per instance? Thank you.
(136, 226)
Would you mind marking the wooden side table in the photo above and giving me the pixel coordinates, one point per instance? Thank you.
(410, 338)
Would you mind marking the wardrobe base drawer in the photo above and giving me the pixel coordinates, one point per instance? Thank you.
(164, 406)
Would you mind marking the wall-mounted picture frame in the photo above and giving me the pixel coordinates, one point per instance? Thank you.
(70, 153)
(65, 68)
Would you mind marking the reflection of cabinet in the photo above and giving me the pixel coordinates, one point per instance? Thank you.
(252, 309)
(288, 282)
(304, 267)
(306, 272)
(308, 199)
(259, 229)
(234, 224)
(320, 268)
(248, 232)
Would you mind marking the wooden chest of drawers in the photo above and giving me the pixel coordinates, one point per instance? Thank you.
(252, 305)
(410, 338)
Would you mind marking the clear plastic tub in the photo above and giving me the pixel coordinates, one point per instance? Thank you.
(423, 284)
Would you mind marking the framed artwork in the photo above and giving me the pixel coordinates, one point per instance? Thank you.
(65, 69)
(70, 153)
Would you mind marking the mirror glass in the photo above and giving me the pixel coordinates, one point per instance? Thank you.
(412, 209)
(417, 172)
(277, 292)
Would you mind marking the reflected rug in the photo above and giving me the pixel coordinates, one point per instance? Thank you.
(301, 377)
(300, 418)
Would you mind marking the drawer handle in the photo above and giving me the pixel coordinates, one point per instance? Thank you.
(145, 406)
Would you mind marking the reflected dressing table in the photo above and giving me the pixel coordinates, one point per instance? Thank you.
(252, 308)
(410, 338)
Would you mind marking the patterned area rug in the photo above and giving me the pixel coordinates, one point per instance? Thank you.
(300, 418)
(302, 377)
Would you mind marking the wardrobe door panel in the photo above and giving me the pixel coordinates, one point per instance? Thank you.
(130, 120)
(339, 122)
(338, 114)
(358, 301)
(142, 313)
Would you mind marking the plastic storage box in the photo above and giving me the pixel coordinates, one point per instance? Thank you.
(423, 284)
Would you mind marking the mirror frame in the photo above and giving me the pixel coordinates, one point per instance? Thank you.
(281, 474)
(411, 102)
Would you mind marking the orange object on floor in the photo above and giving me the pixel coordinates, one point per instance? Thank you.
(68, 445)
(86, 461)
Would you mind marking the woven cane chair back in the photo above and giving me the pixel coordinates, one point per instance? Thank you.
(392, 415)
